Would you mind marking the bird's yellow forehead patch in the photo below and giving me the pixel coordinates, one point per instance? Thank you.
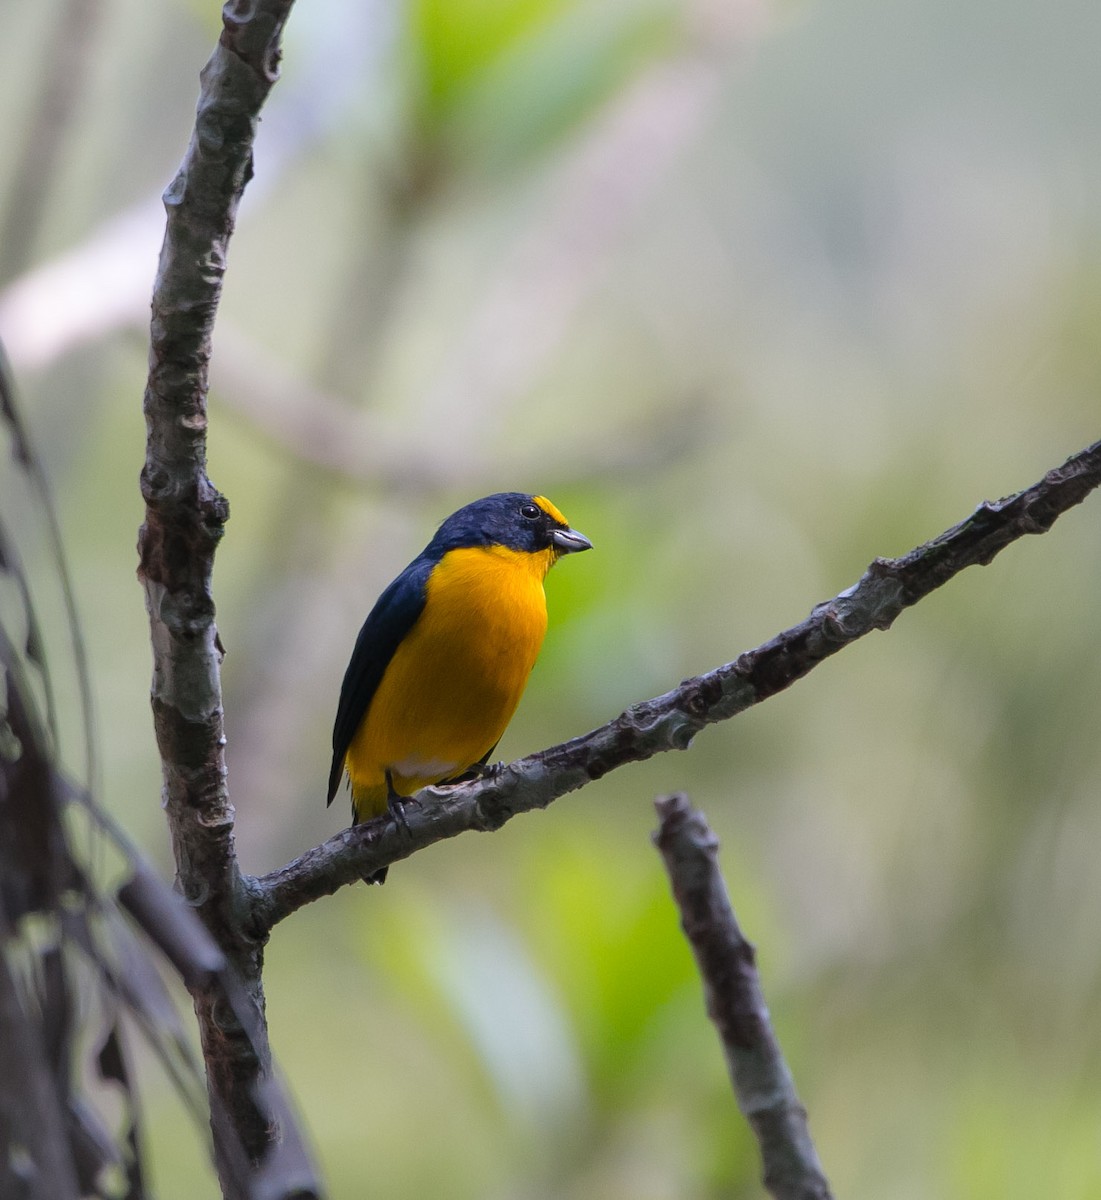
(550, 510)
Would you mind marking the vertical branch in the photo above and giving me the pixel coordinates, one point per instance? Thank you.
(735, 1003)
(184, 520)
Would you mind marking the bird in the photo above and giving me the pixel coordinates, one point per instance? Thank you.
(443, 657)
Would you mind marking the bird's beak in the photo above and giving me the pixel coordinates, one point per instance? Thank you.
(569, 541)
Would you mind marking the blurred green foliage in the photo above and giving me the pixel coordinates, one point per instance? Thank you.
(502, 81)
(755, 292)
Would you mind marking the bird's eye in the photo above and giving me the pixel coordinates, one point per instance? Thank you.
(530, 512)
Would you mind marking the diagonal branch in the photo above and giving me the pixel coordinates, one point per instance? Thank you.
(671, 721)
(763, 1085)
(184, 520)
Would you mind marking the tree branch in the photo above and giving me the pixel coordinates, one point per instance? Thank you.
(184, 520)
(671, 721)
(763, 1085)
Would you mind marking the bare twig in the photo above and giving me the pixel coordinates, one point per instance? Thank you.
(671, 721)
(763, 1085)
(184, 519)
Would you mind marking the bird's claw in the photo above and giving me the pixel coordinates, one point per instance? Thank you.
(479, 770)
(396, 803)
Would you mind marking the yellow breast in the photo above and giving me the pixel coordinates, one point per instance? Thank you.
(456, 679)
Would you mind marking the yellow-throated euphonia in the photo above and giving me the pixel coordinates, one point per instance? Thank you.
(443, 657)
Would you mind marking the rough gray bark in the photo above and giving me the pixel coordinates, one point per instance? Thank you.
(763, 1085)
(184, 520)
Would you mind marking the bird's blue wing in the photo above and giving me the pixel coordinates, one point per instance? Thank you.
(394, 614)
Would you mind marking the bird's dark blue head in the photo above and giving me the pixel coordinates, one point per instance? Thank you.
(527, 524)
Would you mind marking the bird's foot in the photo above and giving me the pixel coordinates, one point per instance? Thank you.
(479, 770)
(396, 803)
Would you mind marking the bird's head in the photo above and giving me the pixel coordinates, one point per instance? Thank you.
(515, 520)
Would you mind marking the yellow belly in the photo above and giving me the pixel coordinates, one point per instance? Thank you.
(456, 679)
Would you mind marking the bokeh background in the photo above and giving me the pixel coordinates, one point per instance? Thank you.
(755, 291)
